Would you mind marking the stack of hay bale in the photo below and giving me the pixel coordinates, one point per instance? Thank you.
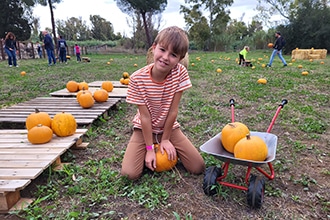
(306, 54)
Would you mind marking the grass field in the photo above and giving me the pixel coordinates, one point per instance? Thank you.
(92, 188)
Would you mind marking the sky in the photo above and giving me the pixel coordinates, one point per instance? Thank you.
(108, 10)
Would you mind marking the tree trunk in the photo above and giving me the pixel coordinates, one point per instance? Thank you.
(146, 28)
(53, 24)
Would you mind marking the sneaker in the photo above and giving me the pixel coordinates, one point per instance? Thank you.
(10, 65)
(268, 65)
(17, 66)
(285, 65)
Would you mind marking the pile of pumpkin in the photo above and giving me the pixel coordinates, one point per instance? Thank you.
(125, 78)
(41, 126)
(235, 138)
(85, 97)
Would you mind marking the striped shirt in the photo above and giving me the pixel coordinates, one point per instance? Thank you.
(157, 97)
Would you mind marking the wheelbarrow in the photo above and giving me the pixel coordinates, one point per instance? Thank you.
(255, 185)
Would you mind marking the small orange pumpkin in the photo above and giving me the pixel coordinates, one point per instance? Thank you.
(232, 133)
(251, 148)
(64, 124)
(40, 134)
(36, 118)
(101, 95)
(72, 86)
(83, 85)
(162, 161)
(107, 85)
(81, 92)
(86, 100)
(270, 45)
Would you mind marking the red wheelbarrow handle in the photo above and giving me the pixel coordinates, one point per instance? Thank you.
(284, 101)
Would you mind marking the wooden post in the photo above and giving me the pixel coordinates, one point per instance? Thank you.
(33, 55)
(2, 50)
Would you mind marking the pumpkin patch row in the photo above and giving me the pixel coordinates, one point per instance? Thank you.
(236, 139)
(41, 126)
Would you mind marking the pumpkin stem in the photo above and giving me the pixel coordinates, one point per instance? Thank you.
(248, 136)
(36, 110)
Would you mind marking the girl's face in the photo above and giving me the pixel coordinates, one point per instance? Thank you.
(165, 59)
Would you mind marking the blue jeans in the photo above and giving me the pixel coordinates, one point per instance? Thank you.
(279, 54)
(63, 55)
(11, 57)
(51, 56)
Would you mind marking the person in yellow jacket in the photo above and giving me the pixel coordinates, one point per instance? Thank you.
(242, 55)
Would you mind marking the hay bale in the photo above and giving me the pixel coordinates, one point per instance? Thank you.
(86, 59)
(150, 58)
(306, 54)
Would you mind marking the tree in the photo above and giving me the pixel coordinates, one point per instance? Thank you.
(73, 29)
(143, 7)
(13, 19)
(50, 3)
(101, 29)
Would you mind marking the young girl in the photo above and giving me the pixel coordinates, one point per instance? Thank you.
(156, 89)
(242, 55)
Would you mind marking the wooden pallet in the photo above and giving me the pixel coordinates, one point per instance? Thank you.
(15, 116)
(21, 162)
(116, 93)
(116, 84)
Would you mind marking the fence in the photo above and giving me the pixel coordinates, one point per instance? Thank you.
(28, 50)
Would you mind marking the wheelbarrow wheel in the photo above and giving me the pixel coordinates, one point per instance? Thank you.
(256, 190)
(210, 180)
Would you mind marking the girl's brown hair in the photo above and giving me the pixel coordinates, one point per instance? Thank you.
(176, 38)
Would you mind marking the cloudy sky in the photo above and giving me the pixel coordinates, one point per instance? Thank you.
(108, 10)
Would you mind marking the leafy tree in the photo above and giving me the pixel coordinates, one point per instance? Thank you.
(101, 29)
(74, 29)
(13, 19)
(143, 7)
(50, 3)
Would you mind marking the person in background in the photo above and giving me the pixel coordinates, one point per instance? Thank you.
(77, 51)
(243, 54)
(39, 49)
(156, 90)
(62, 49)
(49, 47)
(278, 45)
(10, 49)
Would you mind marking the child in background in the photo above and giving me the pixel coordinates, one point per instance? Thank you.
(242, 55)
(156, 89)
(77, 51)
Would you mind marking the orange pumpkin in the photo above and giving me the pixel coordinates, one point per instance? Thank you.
(83, 85)
(101, 95)
(72, 86)
(270, 45)
(251, 148)
(107, 85)
(64, 124)
(36, 118)
(86, 100)
(81, 92)
(232, 133)
(162, 161)
(40, 134)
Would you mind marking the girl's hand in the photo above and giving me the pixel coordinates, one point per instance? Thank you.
(170, 150)
(150, 160)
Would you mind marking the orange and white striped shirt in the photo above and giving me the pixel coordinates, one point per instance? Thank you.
(142, 90)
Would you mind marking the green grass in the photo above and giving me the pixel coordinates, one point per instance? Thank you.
(91, 186)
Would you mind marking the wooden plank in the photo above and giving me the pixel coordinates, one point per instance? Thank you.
(116, 84)
(13, 185)
(116, 93)
(17, 173)
(13, 163)
(15, 116)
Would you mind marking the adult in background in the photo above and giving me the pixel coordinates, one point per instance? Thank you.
(49, 47)
(278, 45)
(62, 49)
(10, 48)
